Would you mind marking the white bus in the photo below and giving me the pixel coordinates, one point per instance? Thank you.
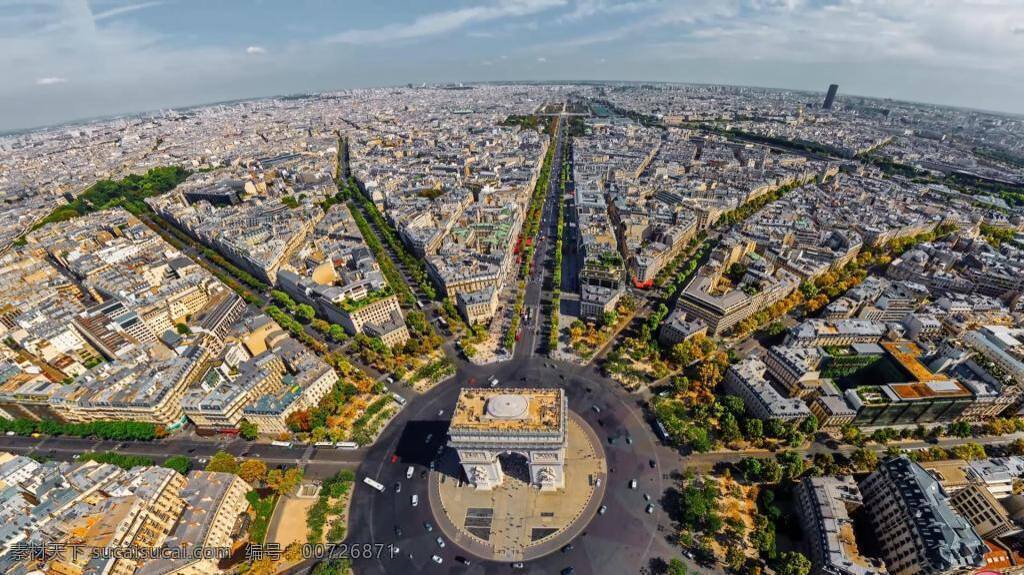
(347, 445)
(373, 484)
(323, 444)
(398, 399)
(281, 443)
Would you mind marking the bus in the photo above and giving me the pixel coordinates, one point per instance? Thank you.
(398, 398)
(323, 444)
(662, 432)
(373, 484)
(281, 443)
(347, 445)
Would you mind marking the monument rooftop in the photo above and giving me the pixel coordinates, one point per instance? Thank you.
(509, 410)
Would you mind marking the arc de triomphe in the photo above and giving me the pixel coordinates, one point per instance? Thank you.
(488, 423)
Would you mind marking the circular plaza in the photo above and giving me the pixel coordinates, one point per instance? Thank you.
(523, 514)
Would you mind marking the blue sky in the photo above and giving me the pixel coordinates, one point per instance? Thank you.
(68, 59)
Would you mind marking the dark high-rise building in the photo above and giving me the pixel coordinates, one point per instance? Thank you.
(831, 96)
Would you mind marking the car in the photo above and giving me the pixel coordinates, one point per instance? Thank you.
(602, 510)
(596, 409)
(76, 456)
(440, 412)
(567, 548)
(632, 483)
(611, 440)
(428, 526)
(428, 438)
(689, 554)
(518, 565)
(409, 472)
(647, 497)
(568, 571)
(629, 439)
(463, 560)
(437, 559)
(649, 508)
(9, 434)
(652, 463)
(398, 531)
(440, 542)
(415, 500)
(398, 487)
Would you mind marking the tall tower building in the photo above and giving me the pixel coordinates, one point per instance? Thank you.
(831, 96)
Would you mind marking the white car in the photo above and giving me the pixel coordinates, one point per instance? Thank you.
(602, 510)
(437, 559)
(409, 472)
(440, 543)
(415, 500)
(632, 483)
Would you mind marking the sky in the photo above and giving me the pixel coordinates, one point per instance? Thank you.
(63, 60)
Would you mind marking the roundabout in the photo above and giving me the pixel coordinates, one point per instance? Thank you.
(517, 521)
(412, 457)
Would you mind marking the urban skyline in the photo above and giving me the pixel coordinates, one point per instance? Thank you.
(67, 57)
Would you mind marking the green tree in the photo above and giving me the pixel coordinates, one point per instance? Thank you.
(179, 463)
(337, 333)
(676, 567)
(772, 471)
(864, 459)
(223, 462)
(793, 563)
(700, 440)
(753, 429)
(305, 312)
(729, 428)
(809, 426)
(248, 430)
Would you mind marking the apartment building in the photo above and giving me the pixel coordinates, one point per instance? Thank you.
(214, 504)
(923, 533)
(824, 505)
(747, 380)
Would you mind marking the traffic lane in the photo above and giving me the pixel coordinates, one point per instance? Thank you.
(195, 449)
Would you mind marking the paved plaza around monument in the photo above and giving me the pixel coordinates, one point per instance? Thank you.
(516, 521)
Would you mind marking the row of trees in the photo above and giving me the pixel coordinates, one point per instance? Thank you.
(530, 229)
(113, 430)
(256, 473)
(412, 264)
(556, 278)
(962, 429)
(294, 327)
(387, 267)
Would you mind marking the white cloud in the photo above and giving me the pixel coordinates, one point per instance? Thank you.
(50, 80)
(437, 23)
(969, 34)
(255, 50)
(542, 59)
(123, 10)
